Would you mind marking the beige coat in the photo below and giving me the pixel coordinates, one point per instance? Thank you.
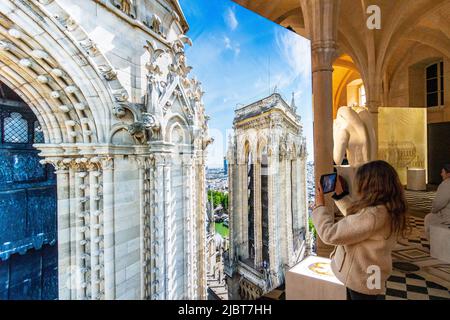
(362, 240)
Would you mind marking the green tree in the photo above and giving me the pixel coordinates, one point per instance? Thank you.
(218, 198)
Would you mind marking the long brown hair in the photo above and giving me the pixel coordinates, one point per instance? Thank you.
(377, 183)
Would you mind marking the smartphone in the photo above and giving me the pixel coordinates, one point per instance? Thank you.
(328, 182)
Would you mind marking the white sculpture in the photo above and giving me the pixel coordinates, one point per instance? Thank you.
(354, 134)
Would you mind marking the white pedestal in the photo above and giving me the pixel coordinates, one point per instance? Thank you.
(312, 279)
(440, 242)
(416, 179)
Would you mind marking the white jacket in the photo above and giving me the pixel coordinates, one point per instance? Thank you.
(441, 203)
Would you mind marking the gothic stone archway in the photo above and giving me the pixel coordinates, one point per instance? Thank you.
(28, 250)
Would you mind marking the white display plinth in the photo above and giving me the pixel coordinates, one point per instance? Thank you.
(312, 279)
(416, 179)
(440, 242)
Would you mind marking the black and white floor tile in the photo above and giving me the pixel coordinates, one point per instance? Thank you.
(420, 200)
(411, 286)
(416, 237)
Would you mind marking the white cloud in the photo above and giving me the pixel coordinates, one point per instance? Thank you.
(229, 45)
(227, 42)
(237, 49)
(230, 19)
(296, 51)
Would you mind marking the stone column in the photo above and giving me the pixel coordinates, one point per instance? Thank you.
(282, 194)
(322, 54)
(144, 181)
(82, 240)
(302, 201)
(63, 193)
(108, 228)
(231, 210)
(168, 230)
(373, 107)
(95, 229)
(273, 210)
(200, 245)
(74, 275)
(323, 26)
(189, 209)
(257, 210)
(289, 213)
(158, 233)
(243, 210)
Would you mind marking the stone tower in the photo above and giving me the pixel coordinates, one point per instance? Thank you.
(268, 204)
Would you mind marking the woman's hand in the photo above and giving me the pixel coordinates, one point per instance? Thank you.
(320, 198)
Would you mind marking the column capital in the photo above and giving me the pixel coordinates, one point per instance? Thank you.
(373, 106)
(107, 163)
(322, 55)
(60, 164)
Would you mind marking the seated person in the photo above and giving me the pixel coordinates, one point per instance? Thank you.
(440, 211)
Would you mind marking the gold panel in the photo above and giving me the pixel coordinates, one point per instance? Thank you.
(402, 136)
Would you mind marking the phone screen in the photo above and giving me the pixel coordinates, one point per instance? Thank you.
(328, 182)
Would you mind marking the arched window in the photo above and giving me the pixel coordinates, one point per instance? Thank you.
(15, 129)
(251, 206)
(434, 75)
(362, 95)
(265, 206)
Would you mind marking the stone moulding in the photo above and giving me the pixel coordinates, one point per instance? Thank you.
(138, 24)
(93, 54)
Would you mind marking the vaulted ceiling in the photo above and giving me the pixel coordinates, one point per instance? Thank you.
(376, 53)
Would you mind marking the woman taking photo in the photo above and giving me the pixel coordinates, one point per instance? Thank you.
(365, 237)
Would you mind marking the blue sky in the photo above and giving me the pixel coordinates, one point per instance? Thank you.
(234, 54)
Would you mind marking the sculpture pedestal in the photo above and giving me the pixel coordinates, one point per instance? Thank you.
(440, 242)
(312, 279)
(416, 179)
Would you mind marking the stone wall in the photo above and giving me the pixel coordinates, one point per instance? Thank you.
(126, 130)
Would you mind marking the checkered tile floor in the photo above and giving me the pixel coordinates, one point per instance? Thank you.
(416, 236)
(410, 286)
(420, 200)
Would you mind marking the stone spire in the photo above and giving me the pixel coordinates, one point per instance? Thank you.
(293, 106)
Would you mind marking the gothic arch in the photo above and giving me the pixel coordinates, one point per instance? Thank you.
(55, 78)
(248, 154)
(262, 142)
(177, 123)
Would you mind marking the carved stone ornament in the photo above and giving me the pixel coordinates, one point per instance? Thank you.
(5, 45)
(151, 124)
(89, 46)
(107, 72)
(137, 129)
(126, 6)
(119, 110)
(121, 95)
(155, 24)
